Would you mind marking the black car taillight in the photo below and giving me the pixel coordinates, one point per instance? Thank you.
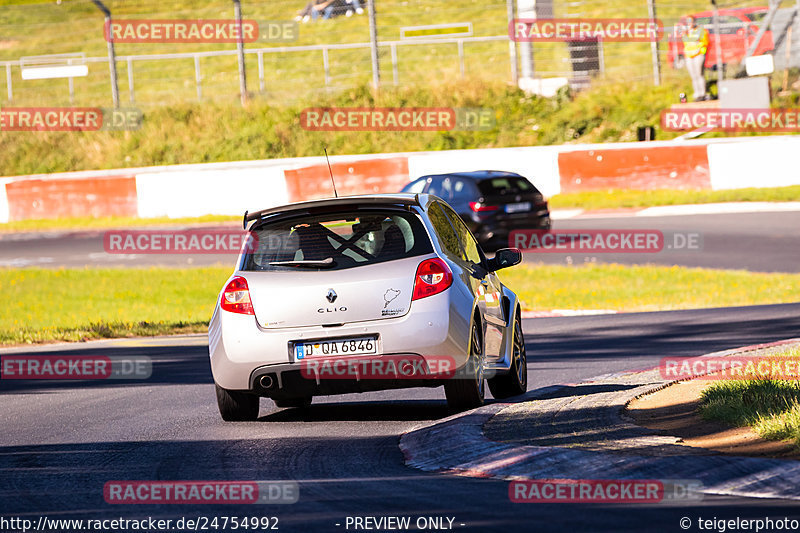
(480, 207)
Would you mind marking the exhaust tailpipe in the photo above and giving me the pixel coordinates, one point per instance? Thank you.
(266, 381)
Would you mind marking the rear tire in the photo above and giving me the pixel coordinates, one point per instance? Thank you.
(466, 389)
(300, 403)
(516, 381)
(237, 406)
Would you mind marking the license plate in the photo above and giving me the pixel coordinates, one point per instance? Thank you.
(516, 208)
(354, 346)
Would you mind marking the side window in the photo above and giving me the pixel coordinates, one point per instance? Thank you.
(462, 191)
(435, 187)
(471, 249)
(447, 190)
(446, 233)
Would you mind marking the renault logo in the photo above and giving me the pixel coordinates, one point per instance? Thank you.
(331, 296)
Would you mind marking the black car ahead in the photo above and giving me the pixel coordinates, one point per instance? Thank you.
(491, 202)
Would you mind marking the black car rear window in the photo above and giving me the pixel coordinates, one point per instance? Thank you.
(505, 185)
(335, 241)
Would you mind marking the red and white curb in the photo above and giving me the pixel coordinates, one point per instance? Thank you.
(456, 445)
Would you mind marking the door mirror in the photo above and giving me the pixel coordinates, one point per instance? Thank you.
(504, 258)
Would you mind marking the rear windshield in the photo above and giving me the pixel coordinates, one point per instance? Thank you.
(507, 185)
(756, 16)
(336, 241)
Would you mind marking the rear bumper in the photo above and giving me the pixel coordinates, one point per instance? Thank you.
(499, 233)
(290, 381)
(496, 229)
(240, 351)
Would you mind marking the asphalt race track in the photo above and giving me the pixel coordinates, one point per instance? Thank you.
(62, 441)
(759, 242)
(732, 241)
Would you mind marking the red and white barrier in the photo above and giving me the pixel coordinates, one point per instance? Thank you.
(232, 188)
(644, 166)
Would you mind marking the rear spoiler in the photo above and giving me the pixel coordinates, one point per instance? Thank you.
(342, 200)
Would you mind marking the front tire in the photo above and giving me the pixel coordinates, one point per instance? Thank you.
(466, 389)
(516, 381)
(237, 406)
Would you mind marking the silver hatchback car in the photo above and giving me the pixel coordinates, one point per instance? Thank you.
(364, 293)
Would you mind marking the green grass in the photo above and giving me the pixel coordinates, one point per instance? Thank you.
(224, 131)
(182, 133)
(770, 406)
(180, 129)
(645, 288)
(45, 28)
(39, 27)
(77, 304)
(43, 305)
(630, 198)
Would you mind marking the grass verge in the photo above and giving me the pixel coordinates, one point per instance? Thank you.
(220, 132)
(44, 305)
(630, 198)
(771, 407)
(81, 304)
(644, 288)
(36, 28)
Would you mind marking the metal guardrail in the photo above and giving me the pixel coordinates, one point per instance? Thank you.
(284, 49)
(324, 49)
(671, 38)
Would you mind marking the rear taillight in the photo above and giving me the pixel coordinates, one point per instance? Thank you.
(479, 207)
(236, 297)
(433, 276)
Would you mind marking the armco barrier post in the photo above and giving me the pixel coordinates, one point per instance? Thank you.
(651, 11)
(373, 40)
(112, 56)
(237, 7)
